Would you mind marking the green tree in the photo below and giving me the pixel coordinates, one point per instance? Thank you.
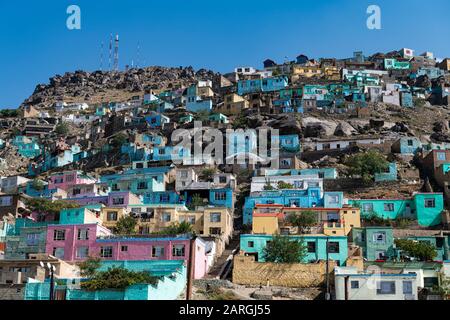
(421, 250)
(268, 186)
(125, 225)
(284, 250)
(366, 164)
(178, 228)
(42, 205)
(37, 185)
(62, 128)
(197, 201)
(117, 278)
(284, 185)
(88, 268)
(303, 220)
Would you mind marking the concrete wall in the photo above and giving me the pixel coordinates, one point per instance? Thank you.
(248, 272)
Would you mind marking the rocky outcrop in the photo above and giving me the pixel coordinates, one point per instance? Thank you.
(86, 86)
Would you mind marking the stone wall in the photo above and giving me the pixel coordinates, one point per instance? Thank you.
(247, 271)
(12, 291)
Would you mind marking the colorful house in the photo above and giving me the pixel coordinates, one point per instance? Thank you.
(389, 175)
(27, 146)
(66, 179)
(426, 208)
(316, 246)
(261, 85)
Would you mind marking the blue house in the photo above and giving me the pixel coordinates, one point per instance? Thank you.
(299, 198)
(163, 197)
(170, 153)
(156, 120)
(241, 142)
(262, 85)
(289, 143)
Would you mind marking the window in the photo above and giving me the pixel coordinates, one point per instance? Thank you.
(165, 217)
(354, 284)
(190, 219)
(407, 287)
(106, 252)
(142, 185)
(184, 174)
(441, 156)
(82, 252)
(379, 237)
(32, 239)
(69, 178)
(220, 196)
(157, 251)
(115, 187)
(118, 201)
(178, 250)
(222, 179)
(389, 207)
(59, 235)
(312, 247)
(367, 207)
(386, 287)
(215, 217)
(6, 201)
(216, 231)
(76, 191)
(124, 248)
(333, 247)
(58, 253)
(139, 165)
(83, 234)
(333, 199)
(430, 203)
(251, 244)
(111, 216)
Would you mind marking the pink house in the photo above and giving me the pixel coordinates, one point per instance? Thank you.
(114, 199)
(77, 242)
(65, 179)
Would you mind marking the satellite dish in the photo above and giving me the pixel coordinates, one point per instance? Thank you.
(41, 264)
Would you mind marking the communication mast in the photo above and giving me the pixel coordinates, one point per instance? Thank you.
(116, 53)
(110, 51)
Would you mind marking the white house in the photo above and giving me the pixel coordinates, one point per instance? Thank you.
(353, 285)
(299, 182)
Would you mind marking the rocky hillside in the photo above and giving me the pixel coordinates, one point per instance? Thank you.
(98, 86)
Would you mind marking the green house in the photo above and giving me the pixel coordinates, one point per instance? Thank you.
(377, 243)
(218, 117)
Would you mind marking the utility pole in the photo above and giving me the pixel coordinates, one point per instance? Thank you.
(190, 270)
(327, 293)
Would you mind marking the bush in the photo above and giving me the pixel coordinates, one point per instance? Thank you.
(117, 278)
(284, 185)
(366, 164)
(88, 268)
(125, 225)
(42, 205)
(421, 250)
(178, 228)
(303, 220)
(284, 250)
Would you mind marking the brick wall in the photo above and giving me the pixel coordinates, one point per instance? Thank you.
(248, 272)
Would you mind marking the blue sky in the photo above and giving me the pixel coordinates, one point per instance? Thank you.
(36, 44)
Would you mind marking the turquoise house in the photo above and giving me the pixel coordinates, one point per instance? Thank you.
(426, 208)
(74, 216)
(389, 175)
(288, 143)
(28, 146)
(137, 181)
(186, 119)
(218, 117)
(262, 85)
(324, 173)
(170, 153)
(316, 246)
(170, 285)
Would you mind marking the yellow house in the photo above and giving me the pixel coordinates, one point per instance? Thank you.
(233, 104)
(272, 219)
(110, 216)
(331, 73)
(209, 221)
(303, 71)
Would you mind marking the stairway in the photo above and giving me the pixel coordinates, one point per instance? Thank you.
(223, 261)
